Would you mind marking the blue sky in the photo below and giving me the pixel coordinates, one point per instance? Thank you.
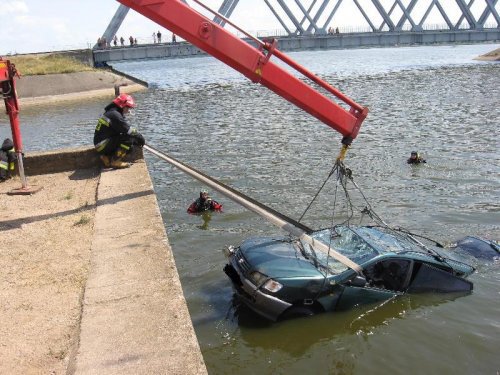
(38, 26)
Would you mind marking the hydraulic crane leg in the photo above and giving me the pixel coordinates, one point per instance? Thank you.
(8, 73)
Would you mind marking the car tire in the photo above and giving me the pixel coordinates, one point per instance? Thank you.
(295, 312)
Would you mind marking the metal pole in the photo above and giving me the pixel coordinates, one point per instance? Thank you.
(266, 214)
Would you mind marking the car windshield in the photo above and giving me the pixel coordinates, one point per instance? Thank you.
(345, 241)
(359, 244)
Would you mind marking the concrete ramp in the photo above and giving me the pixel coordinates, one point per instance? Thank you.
(134, 319)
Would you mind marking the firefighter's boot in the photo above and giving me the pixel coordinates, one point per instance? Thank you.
(105, 161)
(116, 160)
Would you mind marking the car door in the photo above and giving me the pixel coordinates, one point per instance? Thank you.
(429, 278)
(385, 279)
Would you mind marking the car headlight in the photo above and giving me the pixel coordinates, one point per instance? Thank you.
(258, 278)
(272, 285)
(228, 251)
(267, 283)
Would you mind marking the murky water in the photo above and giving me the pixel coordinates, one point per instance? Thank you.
(433, 99)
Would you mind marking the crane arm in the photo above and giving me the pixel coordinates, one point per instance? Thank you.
(255, 63)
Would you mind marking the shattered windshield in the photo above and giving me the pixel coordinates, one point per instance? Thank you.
(386, 242)
(345, 241)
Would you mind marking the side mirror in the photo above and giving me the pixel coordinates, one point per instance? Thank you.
(358, 281)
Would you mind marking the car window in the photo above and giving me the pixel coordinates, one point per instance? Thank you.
(390, 274)
(386, 242)
(346, 242)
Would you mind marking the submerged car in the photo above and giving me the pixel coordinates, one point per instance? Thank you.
(281, 278)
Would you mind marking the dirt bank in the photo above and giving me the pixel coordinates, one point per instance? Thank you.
(46, 242)
(51, 88)
(89, 283)
(490, 56)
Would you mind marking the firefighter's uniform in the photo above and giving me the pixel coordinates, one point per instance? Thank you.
(7, 159)
(113, 136)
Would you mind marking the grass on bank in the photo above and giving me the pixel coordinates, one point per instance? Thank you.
(31, 65)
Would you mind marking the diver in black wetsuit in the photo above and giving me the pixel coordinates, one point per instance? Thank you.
(415, 158)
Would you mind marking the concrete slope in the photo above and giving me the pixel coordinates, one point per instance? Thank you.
(134, 319)
(52, 88)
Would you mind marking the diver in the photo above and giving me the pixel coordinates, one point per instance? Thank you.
(204, 203)
(415, 158)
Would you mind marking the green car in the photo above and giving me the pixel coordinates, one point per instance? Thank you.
(282, 278)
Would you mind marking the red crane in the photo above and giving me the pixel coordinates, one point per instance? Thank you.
(8, 73)
(256, 63)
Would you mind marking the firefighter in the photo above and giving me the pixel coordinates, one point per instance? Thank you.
(7, 159)
(114, 137)
(204, 203)
(415, 158)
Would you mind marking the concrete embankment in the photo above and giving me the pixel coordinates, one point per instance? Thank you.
(89, 277)
(50, 88)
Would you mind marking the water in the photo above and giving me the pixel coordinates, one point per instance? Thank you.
(433, 99)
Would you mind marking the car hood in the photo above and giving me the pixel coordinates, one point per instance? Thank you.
(277, 258)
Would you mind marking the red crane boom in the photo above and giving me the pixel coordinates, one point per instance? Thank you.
(255, 63)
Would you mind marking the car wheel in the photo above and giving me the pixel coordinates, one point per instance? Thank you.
(297, 312)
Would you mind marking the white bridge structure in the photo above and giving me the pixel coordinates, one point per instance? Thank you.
(309, 24)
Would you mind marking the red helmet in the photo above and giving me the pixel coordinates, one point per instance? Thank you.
(124, 100)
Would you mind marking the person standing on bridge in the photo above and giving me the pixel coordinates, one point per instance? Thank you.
(158, 35)
(114, 138)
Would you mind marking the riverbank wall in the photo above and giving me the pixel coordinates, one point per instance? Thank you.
(125, 312)
(52, 88)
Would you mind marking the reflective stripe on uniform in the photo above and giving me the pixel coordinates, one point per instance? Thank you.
(11, 164)
(101, 145)
(4, 165)
(102, 121)
(124, 146)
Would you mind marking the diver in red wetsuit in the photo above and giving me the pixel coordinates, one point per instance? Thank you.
(204, 203)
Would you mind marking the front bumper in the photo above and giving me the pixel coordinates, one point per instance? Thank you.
(263, 304)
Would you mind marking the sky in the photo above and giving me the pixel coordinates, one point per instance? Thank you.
(40, 26)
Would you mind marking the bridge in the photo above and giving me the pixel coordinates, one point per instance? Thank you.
(309, 24)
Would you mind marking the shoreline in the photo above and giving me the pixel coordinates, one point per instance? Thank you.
(490, 56)
(53, 88)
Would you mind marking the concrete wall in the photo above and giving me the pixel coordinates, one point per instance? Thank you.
(64, 160)
(336, 41)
